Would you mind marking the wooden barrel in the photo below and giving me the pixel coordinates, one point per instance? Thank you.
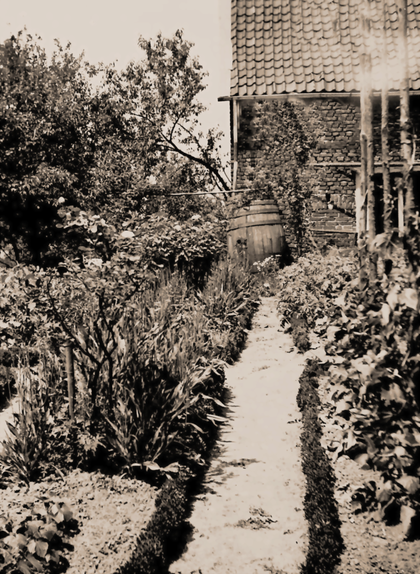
(255, 231)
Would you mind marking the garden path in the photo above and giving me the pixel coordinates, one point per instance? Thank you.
(6, 415)
(249, 517)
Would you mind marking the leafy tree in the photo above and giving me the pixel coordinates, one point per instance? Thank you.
(108, 147)
(44, 152)
(161, 91)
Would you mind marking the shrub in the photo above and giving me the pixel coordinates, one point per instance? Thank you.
(321, 512)
(307, 288)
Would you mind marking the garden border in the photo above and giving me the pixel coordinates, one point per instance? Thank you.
(157, 544)
(321, 509)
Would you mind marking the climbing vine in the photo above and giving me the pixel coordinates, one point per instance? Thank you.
(283, 137)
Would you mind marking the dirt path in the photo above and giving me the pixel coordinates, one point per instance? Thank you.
(250, 517)
(6, 415)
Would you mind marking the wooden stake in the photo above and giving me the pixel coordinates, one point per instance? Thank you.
(70, 377)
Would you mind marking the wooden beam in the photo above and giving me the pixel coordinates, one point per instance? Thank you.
(235, 120)
(311, 95)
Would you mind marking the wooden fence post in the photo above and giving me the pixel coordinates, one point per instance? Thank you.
(70, 376)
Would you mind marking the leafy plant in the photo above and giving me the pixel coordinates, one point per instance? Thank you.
(35, 542)
(374, 389)
(39, 397)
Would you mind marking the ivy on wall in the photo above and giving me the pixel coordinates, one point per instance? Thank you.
(284, 135)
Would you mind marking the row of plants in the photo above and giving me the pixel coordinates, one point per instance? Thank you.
(371, 332)
(321, 512)
(149, 354)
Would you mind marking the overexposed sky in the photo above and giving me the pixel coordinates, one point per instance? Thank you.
(109, 31)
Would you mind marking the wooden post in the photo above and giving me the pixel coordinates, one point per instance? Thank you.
(386, 179)
(365, 106)
(235, 128)
(371, 221)
(406, 151)
(70, 377)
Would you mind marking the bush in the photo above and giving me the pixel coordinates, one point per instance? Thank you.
(307, 288)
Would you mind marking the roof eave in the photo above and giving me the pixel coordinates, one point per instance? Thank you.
(306, 95)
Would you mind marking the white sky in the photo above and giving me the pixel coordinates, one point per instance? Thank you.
(108, 32)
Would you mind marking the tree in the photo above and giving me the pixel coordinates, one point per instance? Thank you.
(161, 91)
(104, 148)
(44, 152)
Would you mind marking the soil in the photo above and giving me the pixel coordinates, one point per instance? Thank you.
(110, 513)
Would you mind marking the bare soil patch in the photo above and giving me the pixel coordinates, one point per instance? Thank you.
(110, 514)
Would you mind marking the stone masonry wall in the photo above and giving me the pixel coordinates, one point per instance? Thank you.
(333, 200)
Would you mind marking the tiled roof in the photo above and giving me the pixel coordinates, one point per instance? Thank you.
(284, 46)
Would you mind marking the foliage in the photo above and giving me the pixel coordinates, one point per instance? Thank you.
(325, 541)
(148, 368)
(308, 287)
(46, 149)
(161, 91)
(115, 143)
(34, 544)
(114, 263)
(39, 399)
(284, 135)
(374, 382)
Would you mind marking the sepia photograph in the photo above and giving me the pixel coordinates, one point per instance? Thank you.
(210, 287)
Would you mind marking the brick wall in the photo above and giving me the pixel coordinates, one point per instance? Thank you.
(333, 197)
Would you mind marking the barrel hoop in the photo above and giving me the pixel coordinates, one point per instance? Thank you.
(250, 225)
(251, 213)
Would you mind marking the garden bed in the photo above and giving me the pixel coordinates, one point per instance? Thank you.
(109, 513)
(156, 422)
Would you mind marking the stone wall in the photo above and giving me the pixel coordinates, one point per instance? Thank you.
(336, 157)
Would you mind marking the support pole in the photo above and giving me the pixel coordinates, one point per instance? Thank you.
(235, 127)
(406, 146)
(70, 376)
(386, 180)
